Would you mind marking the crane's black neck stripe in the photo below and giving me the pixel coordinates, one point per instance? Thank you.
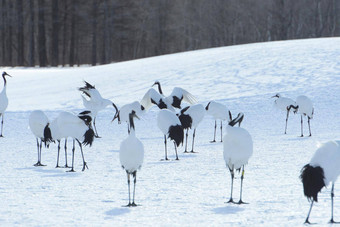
(207, 107)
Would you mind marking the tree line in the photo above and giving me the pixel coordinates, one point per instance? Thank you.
(74, 32)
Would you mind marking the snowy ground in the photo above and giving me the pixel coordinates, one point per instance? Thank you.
(192, 191)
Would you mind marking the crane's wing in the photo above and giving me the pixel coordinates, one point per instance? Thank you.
(187, 96)
(150, 97)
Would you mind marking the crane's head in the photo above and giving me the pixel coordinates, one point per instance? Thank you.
(85, 116)
(5, 74)
(156, 83)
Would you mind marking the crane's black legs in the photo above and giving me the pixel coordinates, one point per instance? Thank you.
(39, 146)
(310, 209)
(301, 126)
(221, 131)
(186, 141)
(214, 133)
(57, 166)
(310, 133)
(95, 129)
(2, 124)
(232, 184)
(242, 176)
(332, 199)
(176, 150)
(166, 152)
(286, 121)
(134, 174)
(193, 141)
(128, 181)
(73, 149)
(82, 155)
(66, 166)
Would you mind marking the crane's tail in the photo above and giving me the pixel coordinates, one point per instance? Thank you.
(47, 135)
(88, 137)
(313, 181)
(176, 133)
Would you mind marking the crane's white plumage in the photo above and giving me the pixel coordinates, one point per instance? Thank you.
(3, 101)
(153, 97)
(58, 136)
(170, 125)
(126, 109)
(305, 108)
(177, 96)
(190, 117)
(237, 149)
(95, 102)
(284, 104)
(322, 169)
(219, 112)
(39, 125)
(131, 155)
(77, 127)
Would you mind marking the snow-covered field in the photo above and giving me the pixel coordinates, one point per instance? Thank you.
(192, 191)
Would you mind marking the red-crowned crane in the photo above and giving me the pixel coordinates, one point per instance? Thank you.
(79, 129)
(219, 112)
(177, 96)
(39, 125)
(95, 103)
(153, 97)
(131, 155)
(3, 101)
(237, 150)
(284, 104)
(171, 127)
(322, 169)
(190, 118)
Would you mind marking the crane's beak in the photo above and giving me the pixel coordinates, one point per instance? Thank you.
(116, 116)
(6, 74)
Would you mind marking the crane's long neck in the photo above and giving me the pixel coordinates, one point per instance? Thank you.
(5, 82)
(159, 88)
(132, 124)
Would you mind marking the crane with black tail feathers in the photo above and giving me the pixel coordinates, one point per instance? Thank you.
(131, 155)
(322, 169)
(3, 101)
(237, 150)
(95, 102)
(39, 125)
(190, 117)
(79, 128)
(171, 127)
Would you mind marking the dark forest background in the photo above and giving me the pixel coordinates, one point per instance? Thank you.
(74, 32)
